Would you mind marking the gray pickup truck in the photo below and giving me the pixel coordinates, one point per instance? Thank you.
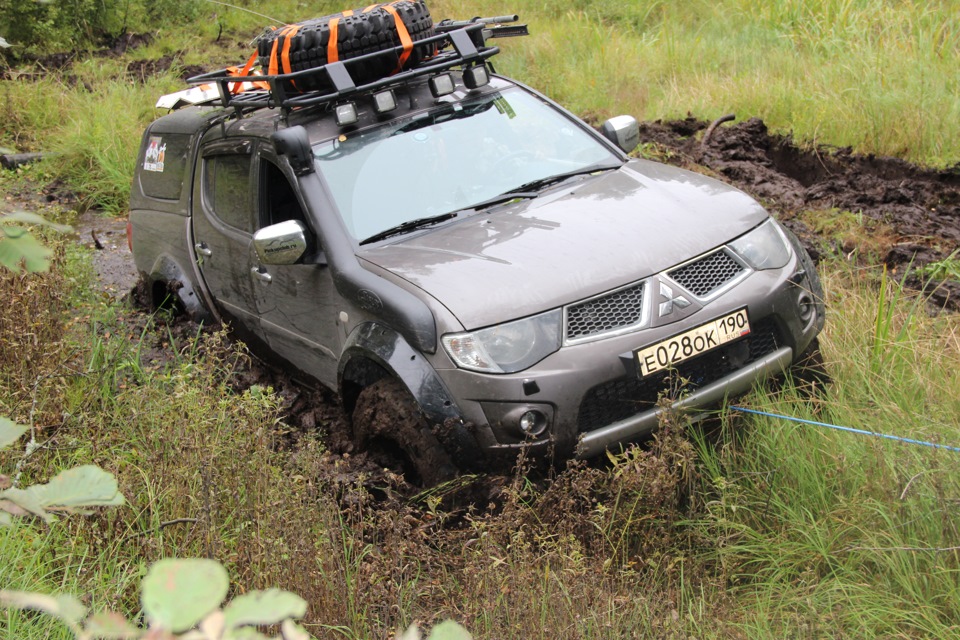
(473, 269)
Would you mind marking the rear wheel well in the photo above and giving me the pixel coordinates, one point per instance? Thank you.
(165, 295)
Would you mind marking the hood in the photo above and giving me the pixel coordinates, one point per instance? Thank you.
(570, 243)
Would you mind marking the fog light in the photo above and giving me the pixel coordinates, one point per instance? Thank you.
(805, 307)
(442, 85)
(476, 77)
(384, 101)
(346, 114)
(533, 423)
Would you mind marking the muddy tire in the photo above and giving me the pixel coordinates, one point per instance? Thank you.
(356, 35)
(388, 424)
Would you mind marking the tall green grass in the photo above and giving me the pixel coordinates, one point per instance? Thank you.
(836, 532)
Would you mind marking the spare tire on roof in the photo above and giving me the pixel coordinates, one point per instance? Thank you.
(347, 35)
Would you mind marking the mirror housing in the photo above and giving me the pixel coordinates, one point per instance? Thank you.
(623, 131)
(281, 243)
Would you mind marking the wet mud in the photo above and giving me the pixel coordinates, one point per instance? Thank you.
(908, 216)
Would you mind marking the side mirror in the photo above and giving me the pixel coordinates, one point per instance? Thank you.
(281, 243)
(623, 131)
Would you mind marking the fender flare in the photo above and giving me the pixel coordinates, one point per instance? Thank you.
(178, 280)
(373, 351)
(380, 345)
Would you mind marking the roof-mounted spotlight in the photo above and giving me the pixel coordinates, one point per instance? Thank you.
(384, 101)
(476, 77)
(442, 84)
(346, 114)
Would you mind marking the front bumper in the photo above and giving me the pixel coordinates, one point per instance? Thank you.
(593, 397)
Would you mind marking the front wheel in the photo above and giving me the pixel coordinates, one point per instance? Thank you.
(388, 423)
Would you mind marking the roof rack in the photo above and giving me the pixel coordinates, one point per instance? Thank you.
(459, 44)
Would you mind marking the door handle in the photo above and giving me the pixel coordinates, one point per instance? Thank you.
(203, 249)
(262, 276)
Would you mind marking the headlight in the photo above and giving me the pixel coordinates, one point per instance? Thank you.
(506, 348)
(764, 247)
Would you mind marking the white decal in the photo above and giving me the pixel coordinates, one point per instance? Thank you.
(156, 152)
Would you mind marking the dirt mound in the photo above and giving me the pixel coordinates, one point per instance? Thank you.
(882, 209)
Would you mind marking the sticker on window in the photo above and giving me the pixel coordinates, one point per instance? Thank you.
(156, 152)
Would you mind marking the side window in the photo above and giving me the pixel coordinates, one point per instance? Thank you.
(278, 200)
(226, 188)
(163, 164)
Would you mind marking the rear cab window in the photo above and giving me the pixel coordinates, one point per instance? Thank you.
(163, 165)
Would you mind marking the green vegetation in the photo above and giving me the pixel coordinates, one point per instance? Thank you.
(757, 528)
(874, 75)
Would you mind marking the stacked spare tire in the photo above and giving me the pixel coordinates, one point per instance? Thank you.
(348, 35)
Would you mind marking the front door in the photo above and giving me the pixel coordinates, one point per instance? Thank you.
(298, 304)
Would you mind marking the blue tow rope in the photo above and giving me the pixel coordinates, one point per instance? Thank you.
(848, 429)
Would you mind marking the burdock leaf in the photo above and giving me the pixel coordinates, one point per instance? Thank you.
(17, 245)
(177, 594)
(264, 607)
(10, 431)
(66, 607)
(84, 486)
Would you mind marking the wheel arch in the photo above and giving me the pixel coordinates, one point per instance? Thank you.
(169, 283)
(373, 351)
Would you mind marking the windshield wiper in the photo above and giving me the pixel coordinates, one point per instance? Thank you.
(543, 183)
(532, 189)
(409, 225)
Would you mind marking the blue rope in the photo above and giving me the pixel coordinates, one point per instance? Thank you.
(848, 429)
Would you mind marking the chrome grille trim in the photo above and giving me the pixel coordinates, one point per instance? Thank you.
(709, 274)
(620, 311)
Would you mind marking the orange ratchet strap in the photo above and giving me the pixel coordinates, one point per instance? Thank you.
(405, 39)
(237, 87)
(333, 48)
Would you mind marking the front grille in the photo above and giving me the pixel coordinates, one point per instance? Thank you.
(625, 397)
(704, 276)
(617, 310)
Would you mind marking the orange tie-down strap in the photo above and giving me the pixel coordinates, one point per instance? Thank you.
(239, 87)
(405, 38)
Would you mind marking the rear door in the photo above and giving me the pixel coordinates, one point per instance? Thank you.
(223, 224)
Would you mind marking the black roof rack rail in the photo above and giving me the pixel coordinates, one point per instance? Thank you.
(461, 47)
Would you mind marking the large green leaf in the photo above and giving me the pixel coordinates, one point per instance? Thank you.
(449, 630)
(84, 486)
(32, 218)
(177, 594)
(10, 431)
(111, 626)
(65, 607)
(18, 245)
(27, 499)
(264, 607)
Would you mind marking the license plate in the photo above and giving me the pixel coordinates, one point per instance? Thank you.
(684, 346)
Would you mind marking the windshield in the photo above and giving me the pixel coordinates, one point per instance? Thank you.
(451, 158)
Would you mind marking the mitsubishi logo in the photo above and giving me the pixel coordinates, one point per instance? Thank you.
(666, 307)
